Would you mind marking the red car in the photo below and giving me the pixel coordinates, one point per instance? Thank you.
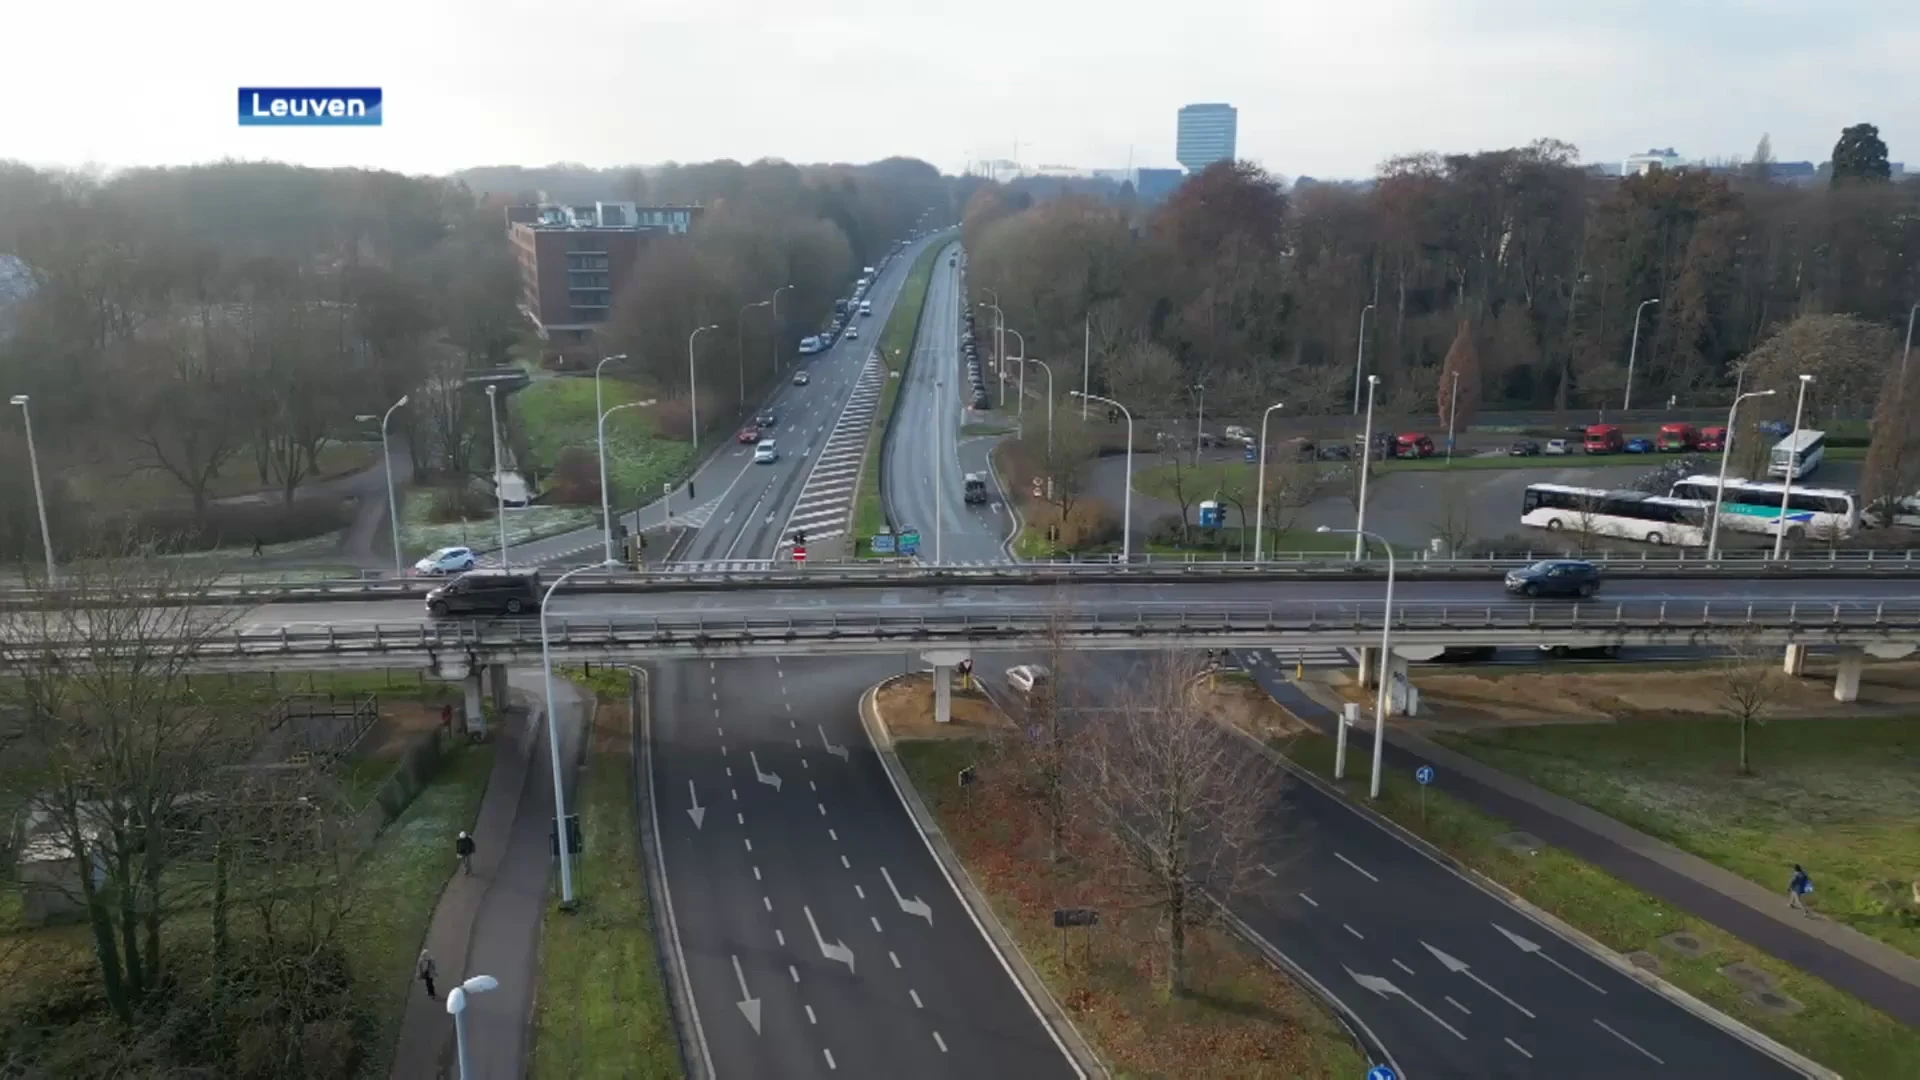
(749, 434)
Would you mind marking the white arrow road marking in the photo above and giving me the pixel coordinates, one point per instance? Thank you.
(836, 951)
(1385, 988)
(837, 751)
(1529, 947)
(698, 813)
(1459, 967)
(749, 1004)
(915, 906)
(766, 778)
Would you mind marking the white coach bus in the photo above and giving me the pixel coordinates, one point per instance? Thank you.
(1754, 506)
(1629, 515)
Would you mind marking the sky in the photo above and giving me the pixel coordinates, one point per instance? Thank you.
(1324, 89)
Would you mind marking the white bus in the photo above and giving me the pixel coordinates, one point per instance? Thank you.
(1754, 506)
(1798, 454)
(1630, 515)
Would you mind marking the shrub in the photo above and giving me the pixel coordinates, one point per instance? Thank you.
(174, 529)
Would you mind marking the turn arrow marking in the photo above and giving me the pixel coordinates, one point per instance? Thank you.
(836, 951)
(749, 1005)
(1459, 967)
(1529, 947)
(915, 906)
(698, 813)
(766, 778)
(837, 751)
(1385, 988)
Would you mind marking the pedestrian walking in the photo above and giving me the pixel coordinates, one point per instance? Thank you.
(1801, 886)
(463, 847)
(427, 972)
(257, 549)
(446, 716)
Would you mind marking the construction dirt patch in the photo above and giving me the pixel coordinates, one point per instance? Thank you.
(398, 730)
(906, 706)
(1241, 703)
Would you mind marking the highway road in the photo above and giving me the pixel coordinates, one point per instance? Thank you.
(1453, 980)
(926, 458)
(800, 887)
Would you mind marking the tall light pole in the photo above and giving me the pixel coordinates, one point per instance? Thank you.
(693, 386)
(999, 342)
(1634, 350)
(1793, 463)
(1086, 361)
(457, 1008)
(1453, 412)
(1384, 669)
(777, 326)
(1020, 407)
(39, 496)
(393, 503)
(553, 740)
(1260, 499)
(598, 405)
(1907, 353)
(1126, 512)
(1359, 356)
(1043, 367)
(740, 342)
(606, 503)
(1199, 392)
(1726, 455)
(1359, 529)
(499, 488)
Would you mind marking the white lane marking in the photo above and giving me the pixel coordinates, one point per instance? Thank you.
(875, 919)
(1354, 932)
(895, 959)
(795, 972)
(1309, 899)
(860, 892)
(915, 995)
(834, 835)
(1457, 1005)
(811, 1019)
(1629, 1042)
(1459, 967)
(767, 900)
(1402, 966)
(1522, 1049)
(740, 819)
(1270, 870)
(829, 1054)
(747, 842)
(845, 863)
(1356, 867)
(780, 937)
(940, 1042)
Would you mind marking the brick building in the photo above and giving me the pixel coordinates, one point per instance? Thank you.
(575, 259)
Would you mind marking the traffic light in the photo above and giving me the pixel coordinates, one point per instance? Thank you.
(799, 537)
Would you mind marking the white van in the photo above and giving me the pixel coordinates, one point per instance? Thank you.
(866, 307)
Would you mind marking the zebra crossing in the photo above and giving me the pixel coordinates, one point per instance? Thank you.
(826, 500)
(1311, 656)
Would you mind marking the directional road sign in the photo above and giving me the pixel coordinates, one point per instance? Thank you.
(1424, 774)
(1381, 1072)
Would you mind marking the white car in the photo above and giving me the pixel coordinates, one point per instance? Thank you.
(764, 453)
(1027, 676)
(1558, 448)
(853, 332)
(450, 560)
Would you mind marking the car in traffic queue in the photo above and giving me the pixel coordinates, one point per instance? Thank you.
(766, 419)
(748, 435)
(1575, 578)
(447, 560)
(487, 592)
(765, 453)
(800, 378)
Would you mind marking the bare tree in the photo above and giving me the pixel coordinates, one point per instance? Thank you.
(1041, 752)
(1749, 683)
(1291, 485)
(1181, 800)
(1453, 521)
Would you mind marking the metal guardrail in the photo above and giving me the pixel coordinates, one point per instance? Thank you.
(780, 574)
(1117, 626)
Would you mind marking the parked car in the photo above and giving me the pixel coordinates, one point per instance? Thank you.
(1466, 654)
(1581, 652)
(1558, 447)
(800, 378)
(748, 435)
(1524, 448)
(765, 453)
(487, 592)
(1335, 453)
(1639, 445)
(980, 398)
(448, 560)
(1555, 577)
(1025, 678)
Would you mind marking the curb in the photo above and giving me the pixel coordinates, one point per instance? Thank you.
(1015, 521)
(1085, 1061)
(1566, 932)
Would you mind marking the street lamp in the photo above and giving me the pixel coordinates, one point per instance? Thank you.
(598, 405)
(1726, 455)
(553, 740)
(393, 505)
(1384, 670)
(1359, 529)
(1199, 392)
(1634, 350)
(740, 342)
(693, 387)
(1086, 361)
(776, 326)
(457, 1008)
(1906, 353)
(1126, 513)
(1359, 355)
(499, 488)
(1453, 413)
(1260, 499)
(1049, 371)
(39, 496)
(1020, 408)
(1793, 465)
(999, 341)
(606, 509)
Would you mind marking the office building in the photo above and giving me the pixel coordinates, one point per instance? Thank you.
(1206, 135)
(575, 259)
(1155, 185)
(1642, 164)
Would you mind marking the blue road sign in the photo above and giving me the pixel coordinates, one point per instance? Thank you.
(1424, 774)
(881, 544)
(1252, 455)
(1381, 1072)
(910, 542)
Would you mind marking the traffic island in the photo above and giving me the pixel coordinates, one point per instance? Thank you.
(1241, 1016)
(1614, 920)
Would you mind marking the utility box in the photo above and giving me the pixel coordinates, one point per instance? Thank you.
(1210, 515)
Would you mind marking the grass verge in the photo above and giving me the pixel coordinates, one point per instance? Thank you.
(896, 351)
(1837, 794)
(1832, 1027)
(1241, 1018)
(401, 880)
(419, 533)
(602, 1008)
(558, 416)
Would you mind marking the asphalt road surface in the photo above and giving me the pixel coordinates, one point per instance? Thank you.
(926, 459)
(801, 888)
(1452, 980)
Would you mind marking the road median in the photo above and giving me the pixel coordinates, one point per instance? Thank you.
(896, 347)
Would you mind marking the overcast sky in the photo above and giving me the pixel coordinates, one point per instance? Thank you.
(1324, 88)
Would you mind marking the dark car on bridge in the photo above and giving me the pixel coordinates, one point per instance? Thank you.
(486, 592)
(1555, 577)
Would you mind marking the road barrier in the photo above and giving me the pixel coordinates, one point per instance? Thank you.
(1891, 628)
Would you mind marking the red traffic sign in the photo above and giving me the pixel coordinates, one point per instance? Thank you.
(799, 553)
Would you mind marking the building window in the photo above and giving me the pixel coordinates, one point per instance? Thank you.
(577, 261)
(587, 298)
(586, 281)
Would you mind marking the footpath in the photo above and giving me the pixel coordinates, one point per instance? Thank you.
(490, 922)
(1876, 973)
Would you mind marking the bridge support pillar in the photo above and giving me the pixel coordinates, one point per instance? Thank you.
(1846, 687)
(497, 688)
(1369, 666)
(1795, 663)
(476, 716)
(943, 661)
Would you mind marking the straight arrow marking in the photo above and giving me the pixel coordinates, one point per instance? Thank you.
(749, 1005)
(837, 751)
(836, 951)
(915, 906)
(698, 813)
(1529, 947)
(768, 779)
(1385, 988)
(1459, 967)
